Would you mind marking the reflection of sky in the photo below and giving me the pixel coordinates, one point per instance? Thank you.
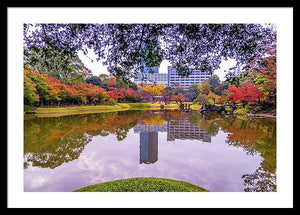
(215, 166)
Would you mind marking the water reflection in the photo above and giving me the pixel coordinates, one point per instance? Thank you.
(148, 147)
(184, 130)
(52, 142)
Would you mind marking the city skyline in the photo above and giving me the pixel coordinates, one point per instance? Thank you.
(97, 68)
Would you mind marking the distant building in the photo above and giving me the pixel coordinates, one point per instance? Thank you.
(196, 77)
(151, 78)
(151, 70)
(150, 75)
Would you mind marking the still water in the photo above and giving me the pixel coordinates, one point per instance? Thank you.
(214, 152)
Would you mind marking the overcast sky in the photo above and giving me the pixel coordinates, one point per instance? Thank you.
(97, 68)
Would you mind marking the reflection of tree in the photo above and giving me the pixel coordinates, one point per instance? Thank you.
(260, 181)
(155, 119)
(205, 122)
(50, 142)
(160, 117)
(58, 152)
(255, 136)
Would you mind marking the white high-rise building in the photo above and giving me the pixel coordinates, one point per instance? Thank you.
(196, 77)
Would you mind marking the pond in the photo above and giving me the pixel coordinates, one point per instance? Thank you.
(218, 153)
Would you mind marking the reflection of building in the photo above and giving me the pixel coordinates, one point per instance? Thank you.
(148, 147)
(149, 141)
(185, 82)
(176, 129)
(183, 129)
(159, 128)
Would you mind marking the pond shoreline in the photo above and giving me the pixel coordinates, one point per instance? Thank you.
(261, 115)
(88, 109)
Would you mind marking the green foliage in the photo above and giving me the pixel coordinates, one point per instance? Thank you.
(242, 111)
(200, 99)
(222, 86)
(204, 87)
(260, 80)
(243, 78)
(66, 67)
(30, 95)
(214, 81)
(42, 89)
(143, 184)
(28, 107)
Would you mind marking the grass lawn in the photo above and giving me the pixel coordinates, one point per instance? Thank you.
(143, 184)
(150, 106)
(168, 106)
(63, 111)
(28, 107)
(196, 107)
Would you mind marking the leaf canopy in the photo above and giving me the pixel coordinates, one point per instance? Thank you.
(123, 48)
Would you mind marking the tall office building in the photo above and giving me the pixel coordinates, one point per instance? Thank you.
(196, 77)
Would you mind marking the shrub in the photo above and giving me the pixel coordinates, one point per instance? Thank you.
(242, 111)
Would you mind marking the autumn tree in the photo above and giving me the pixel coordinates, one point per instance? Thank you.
(30, 94)
(41, 86)
(265, 69)
(154, 90)
(178, 98)
(204, 87)
(213, 97)
(248, 92)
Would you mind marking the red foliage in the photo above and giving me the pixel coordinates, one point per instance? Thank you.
(82, 92)
(265, 66)
(112, 82)
(177, 98)
(248, 92)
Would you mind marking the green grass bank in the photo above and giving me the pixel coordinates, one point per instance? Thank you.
(63, 111)
(143, 184)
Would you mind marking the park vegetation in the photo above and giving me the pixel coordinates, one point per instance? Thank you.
(55, 76)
